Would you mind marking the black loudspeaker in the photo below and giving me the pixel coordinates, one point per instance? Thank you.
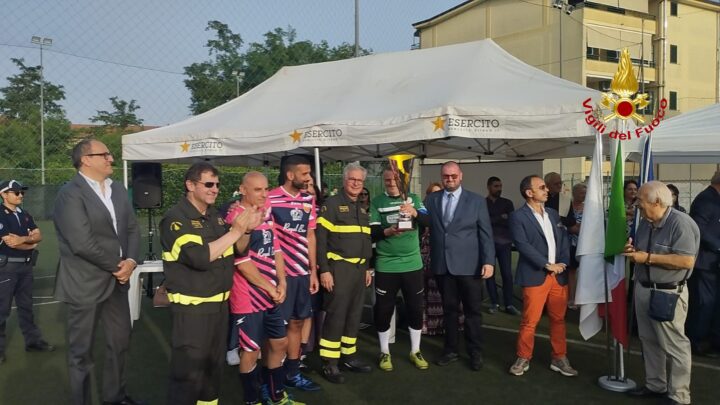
(147, 185)
(311, 158)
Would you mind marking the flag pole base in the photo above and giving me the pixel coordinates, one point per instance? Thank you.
(612, 383)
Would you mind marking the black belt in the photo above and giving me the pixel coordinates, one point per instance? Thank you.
(18, 260)
(662, 286)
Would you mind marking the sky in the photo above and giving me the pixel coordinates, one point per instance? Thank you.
(137, 49)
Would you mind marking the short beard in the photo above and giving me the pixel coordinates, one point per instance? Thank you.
(299, 185)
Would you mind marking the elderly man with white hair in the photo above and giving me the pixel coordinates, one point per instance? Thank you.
(667, 242)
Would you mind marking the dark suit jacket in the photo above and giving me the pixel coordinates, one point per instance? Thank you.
(705, 210)
(89, 246)
(467, 243)
(530, 242)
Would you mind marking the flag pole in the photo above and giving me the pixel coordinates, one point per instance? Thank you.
(616, 381)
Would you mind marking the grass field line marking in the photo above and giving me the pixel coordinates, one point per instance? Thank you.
(158, 335)
(41, 303)
(593, 345)
(43, 297)
(37, 277)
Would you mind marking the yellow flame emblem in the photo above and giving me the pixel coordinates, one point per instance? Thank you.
(623, 86)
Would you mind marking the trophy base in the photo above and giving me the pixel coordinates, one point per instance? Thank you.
(405, 225)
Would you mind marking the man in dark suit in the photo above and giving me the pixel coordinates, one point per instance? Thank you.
(541, 239)
(99, 245)
(462, 254)
(703, 322)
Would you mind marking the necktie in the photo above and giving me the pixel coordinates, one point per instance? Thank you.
(447, 215)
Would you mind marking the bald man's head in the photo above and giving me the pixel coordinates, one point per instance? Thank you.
(254, 188)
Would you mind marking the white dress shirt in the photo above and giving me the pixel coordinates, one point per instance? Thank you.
(547, 227)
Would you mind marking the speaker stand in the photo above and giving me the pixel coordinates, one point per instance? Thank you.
(150, 253)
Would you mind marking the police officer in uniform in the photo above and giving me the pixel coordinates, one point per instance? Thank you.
(343, 254)
(198, 264)
(20, 236)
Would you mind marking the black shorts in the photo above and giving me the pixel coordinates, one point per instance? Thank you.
(297, 303)
(254, 328)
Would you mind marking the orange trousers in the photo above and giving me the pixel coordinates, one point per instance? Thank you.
(554, 296)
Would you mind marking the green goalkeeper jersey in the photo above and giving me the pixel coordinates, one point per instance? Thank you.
(399, 253)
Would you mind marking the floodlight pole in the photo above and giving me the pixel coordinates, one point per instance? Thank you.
(42, 41)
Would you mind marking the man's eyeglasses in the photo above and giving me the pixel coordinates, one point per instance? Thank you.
(17, 193)
(354, 180)
(105, 155)
(209, 184)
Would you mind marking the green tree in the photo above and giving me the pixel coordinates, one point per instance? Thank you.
(121, 117)
(21, 98)
(20, 121)
(212, 83)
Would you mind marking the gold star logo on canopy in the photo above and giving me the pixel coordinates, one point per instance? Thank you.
(184, 147)
(295, 136)
(439, 123)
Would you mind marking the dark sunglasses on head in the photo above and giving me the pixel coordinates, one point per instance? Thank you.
(209, 184)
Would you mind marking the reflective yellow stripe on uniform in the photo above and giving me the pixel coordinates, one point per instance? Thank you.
(343, 228)
(348, 345)
(213, 402)
(228, 252)
(174, 253)
(329, 349)
(335, 256)
(183, 299)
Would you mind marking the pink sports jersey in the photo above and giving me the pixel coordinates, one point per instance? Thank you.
(293, 216)
(247, 298)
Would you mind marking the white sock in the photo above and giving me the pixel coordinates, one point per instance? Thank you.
(384, 338)
(415, 335)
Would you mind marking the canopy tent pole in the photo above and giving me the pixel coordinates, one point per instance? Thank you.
(125, 174)
(318, 179)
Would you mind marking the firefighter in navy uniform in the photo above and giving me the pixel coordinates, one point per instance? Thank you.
(20, 237)
(344, 251)
(198, 264)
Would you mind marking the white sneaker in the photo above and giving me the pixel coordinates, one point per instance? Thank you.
(232, 357)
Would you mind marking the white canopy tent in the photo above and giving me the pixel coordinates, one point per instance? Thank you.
(467, 101)
(692, 137)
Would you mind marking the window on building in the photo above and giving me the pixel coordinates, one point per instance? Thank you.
(673, 100)
(593, 53)
(673, 54)
(613, 56)
(673, 9)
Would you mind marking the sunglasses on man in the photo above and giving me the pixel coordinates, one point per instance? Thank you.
(17, 193)
(209, 184)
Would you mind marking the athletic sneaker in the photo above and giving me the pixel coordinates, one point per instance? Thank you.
(419, 361)
(232, 357)
(385, 362)
(285, 400)
(493, 308)
(510, 309)
(302, 383)
(520, 366)
(563, 367)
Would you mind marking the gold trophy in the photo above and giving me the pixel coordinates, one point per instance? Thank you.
(402, 166)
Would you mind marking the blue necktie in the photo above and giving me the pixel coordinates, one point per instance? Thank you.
(447, 215)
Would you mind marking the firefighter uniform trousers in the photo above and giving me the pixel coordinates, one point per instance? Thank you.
(344, 306)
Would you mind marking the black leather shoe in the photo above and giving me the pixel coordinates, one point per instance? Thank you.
(41, 346)
(476, 362)
(357, 366)
(126, 401)
(446, 359)
(645, 392)
(333, 374)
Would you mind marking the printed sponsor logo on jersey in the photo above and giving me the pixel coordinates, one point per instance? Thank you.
(307, 207)
(296, 214)
(267, 237)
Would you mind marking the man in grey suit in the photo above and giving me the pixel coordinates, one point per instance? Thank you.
(462, 254)
(99, 245)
